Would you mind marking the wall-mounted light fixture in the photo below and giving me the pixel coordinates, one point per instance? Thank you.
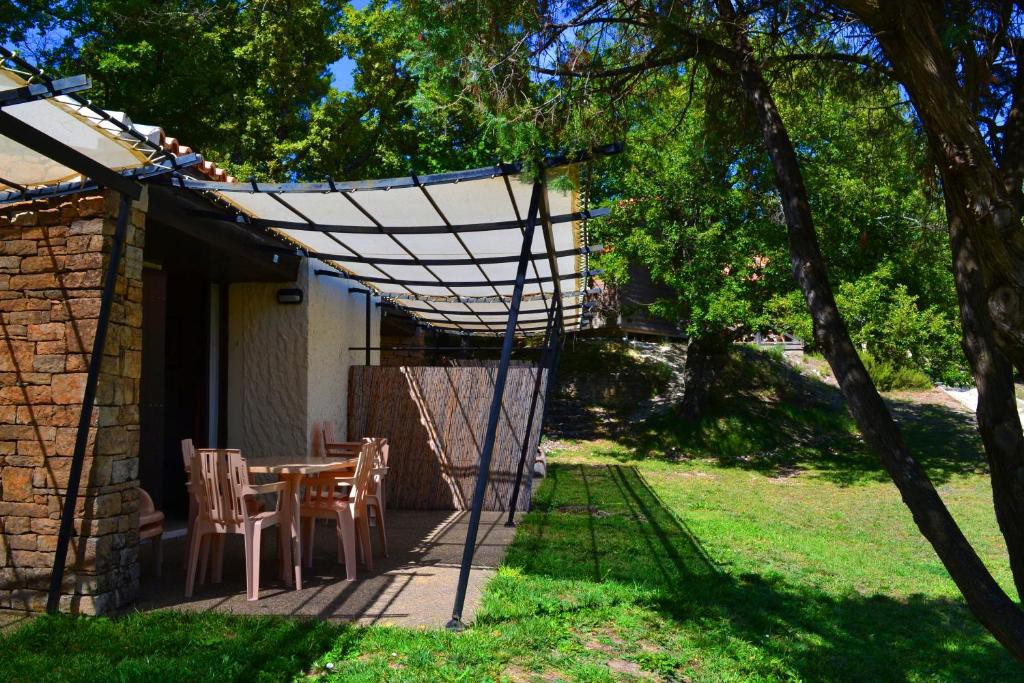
(289, 296)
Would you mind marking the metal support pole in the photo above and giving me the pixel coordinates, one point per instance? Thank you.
(487, 447)
(542, 363)
(369, 308)
(67, 515)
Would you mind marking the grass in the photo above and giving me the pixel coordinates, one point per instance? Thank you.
(761, 544)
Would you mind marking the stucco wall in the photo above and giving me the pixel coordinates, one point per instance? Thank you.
(337, 321)
(288, 364)
(267, 371)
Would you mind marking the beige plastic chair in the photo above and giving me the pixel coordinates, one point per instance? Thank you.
(223, 491)
(375, 494)
(151, 526)
(324, 445)
(188, 453)
(322, 500)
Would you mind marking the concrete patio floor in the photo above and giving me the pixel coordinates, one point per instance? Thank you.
(415, 586)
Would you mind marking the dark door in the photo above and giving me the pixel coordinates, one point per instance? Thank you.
(152, 389)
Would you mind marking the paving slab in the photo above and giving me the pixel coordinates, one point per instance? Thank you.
(415, 586)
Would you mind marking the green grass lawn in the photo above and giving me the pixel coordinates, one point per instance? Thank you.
(762, 544)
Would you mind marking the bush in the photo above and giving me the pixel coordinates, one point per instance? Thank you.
(890, 377)
(891, 325)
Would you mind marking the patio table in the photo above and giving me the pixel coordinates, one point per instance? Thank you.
(292, 471)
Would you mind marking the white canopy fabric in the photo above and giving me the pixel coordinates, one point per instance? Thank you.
(445, 247)
(73, 122)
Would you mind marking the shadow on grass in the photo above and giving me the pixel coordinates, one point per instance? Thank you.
(169, 646)
(768, 416)
(602, 528)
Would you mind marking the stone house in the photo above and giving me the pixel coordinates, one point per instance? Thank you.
(199, 346)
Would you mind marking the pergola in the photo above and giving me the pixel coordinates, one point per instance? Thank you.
(477, 252)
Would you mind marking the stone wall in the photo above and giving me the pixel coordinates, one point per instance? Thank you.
(52, 259)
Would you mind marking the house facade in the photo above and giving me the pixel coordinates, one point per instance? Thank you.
(216, 334)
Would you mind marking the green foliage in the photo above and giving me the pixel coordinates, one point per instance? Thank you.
(888, 376)
(232, 79)
(903, 338)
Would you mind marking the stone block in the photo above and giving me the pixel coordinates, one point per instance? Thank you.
(42, 264)
(47, 348)
(37, 281)
(68, 388)
(126, 469)
(46, 331)
(17, 484)
(48, 363)
(15, 247)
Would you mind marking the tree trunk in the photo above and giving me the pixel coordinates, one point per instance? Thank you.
(985, 598)
(987, 241)
(910, 35)
(705, 355)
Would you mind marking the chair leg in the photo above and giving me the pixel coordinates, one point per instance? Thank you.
(363, 527)
(204, 557)
(347, 528)
(307, 546)
(380, 529)
(284, 553)
(218, 558)
(190, 529)
(248, 560)
(158, 555)
(257, 537)
(192, 562)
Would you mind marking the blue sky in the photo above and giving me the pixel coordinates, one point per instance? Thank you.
(341, 70)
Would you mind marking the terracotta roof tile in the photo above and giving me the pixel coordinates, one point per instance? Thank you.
(206, 169)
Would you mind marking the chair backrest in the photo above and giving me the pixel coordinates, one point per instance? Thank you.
(318, 439)
(223, 481)
(380, 466)
(369, 455)
(146, 505)
(188, 451)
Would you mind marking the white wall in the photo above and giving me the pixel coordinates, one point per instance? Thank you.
(337, 321)
(288, 364)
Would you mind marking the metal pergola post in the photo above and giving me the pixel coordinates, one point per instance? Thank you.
(549, 337)
(487, 447)
(369, 309)
(67, 515)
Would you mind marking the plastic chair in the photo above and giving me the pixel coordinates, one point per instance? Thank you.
(375, 495)
(224, 493)
(322, 500)
(151, 526)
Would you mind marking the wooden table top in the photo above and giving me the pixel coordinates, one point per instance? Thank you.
(293, 465)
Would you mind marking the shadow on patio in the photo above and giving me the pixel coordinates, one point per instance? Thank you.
(415, 586)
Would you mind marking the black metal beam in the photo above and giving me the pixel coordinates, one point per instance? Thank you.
(487, 447)
(369, 300)
(38, 141)
(75, 187)
(67, 514)
(468, 283)
(391, 230)
(43, 91)
(496, 314)
(396, 183)
(471, 261)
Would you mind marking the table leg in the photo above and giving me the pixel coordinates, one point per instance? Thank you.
(296, 522)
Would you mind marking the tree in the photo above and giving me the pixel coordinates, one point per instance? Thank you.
(617, 45)
(960, 63)
(234, 79)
